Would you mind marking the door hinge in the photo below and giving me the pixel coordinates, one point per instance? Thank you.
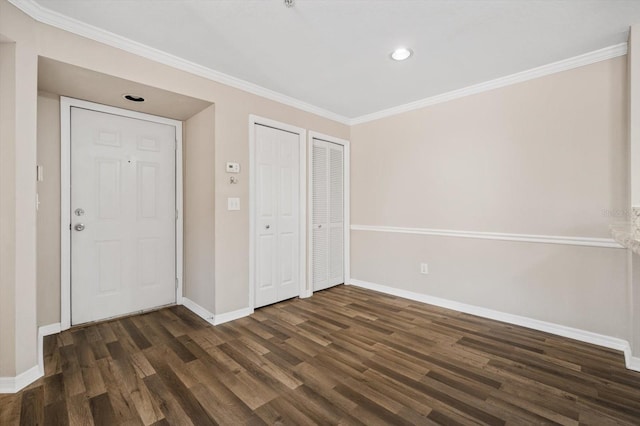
(175, 144)
(176, 283)
(177, 214)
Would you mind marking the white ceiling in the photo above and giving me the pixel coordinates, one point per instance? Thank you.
(334, 54)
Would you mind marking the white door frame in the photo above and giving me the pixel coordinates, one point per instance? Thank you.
(305, 291)
(65, 195)
(346, 202)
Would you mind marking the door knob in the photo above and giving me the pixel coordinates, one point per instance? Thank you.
(268, 226)
(79, 212)
(79, 227)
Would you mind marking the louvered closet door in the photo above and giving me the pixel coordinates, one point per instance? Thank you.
(327, 215)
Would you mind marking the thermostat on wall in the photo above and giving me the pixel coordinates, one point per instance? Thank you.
(233, 167)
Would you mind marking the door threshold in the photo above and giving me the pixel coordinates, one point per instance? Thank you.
(119, 317)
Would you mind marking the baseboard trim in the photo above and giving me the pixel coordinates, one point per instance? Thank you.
(524, 238)
(48, 330)
(212, 318)
(22, 380)
(632, 363)
(233, 315)
(198, 310)
(15, 384)
(45, 330)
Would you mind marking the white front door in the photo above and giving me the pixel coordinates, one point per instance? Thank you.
(327, 235)
(123, 214)
(277, 212)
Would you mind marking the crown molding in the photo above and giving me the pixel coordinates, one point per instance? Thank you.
(55, 19)
(544, 70)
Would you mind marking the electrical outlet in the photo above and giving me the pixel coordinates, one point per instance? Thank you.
(424, 268)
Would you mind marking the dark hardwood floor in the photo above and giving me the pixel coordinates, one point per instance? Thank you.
(344, 356)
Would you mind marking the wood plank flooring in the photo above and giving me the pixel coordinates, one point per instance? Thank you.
(344, 356)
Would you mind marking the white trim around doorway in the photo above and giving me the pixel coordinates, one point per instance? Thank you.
(347, 197)
(65, 195)
(254, 120)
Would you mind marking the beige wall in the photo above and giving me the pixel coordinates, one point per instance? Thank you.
(233, 107)
(7, 209)
(541, 157)
(48, 241)
(580, 287)
(18, 190)
(634, 113)
(232, 111)
(199, 208)
(547, 157)
(633, 281)
(633, 303)
(198, 157)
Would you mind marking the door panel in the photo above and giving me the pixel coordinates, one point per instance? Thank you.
(108, 188)
(266, 253)
(327, 245)
(319, 187)
(336, 214)
(336, 253)
(109, 254)
(277, 215)
(123, 178)
(148, 259)
(320, 264)
(286, 192)
(287, 256)
(148, 175)
(320, 216)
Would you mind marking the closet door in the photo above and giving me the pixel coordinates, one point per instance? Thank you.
(327, 244)
(277, 215)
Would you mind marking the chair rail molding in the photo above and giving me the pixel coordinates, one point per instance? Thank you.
(525, 238)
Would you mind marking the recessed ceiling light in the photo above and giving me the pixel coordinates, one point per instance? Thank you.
(401, 53)
(133, 98)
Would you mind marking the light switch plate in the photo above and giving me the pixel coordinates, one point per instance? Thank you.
(233, 168)
(233, 203)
